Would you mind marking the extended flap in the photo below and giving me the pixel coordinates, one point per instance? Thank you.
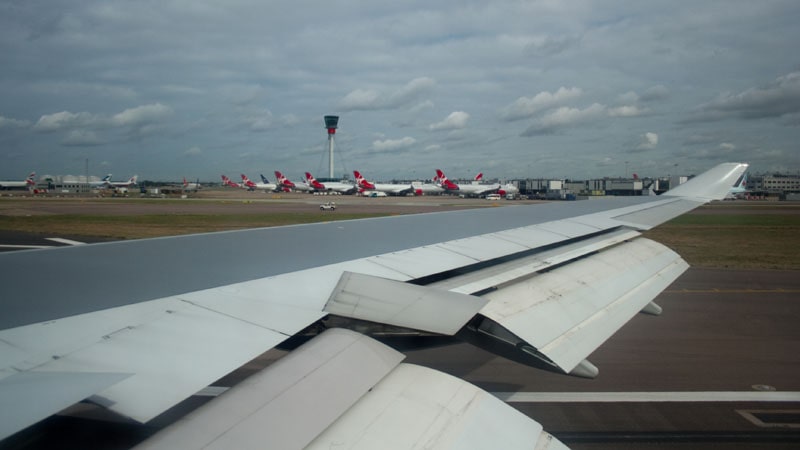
(401, 304)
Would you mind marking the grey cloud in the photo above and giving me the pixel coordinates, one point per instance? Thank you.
(779, 98)
(82, 138)
(7, 122)
(550, 45)
(655, 93)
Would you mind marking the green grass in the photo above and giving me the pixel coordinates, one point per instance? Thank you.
(741, 241)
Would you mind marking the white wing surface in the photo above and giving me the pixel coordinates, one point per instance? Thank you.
(541, 284)
(371, 401)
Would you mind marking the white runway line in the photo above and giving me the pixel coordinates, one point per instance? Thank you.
(622, 397)
(66, 241)
(24, 246)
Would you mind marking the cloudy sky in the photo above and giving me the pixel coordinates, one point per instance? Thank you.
(174, 88)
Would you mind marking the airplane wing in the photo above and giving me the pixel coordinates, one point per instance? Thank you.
(541, 284)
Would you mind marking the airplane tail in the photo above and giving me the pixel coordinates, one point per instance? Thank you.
(31, 180)
(133, 179)
(283, 181)
(186, 183)
(313, 181)
(479, 176)
(264, 179)
(447, 184)
(361, 182)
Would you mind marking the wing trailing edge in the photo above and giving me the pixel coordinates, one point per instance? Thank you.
(345, 390)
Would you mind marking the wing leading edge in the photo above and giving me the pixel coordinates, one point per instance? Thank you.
(223, 317)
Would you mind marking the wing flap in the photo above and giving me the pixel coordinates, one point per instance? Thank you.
(568, 312)
(55, 391)
(292, 401)
(345, 390)
(391, 302)
(419, 408)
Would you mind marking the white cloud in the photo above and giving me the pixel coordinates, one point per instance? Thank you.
(525, 107)
(65, 120)
(193, 151)
(142, 115)
(455, 121)
(565, 118)
(648, 141)
(727, 146)
(371, 99)
(259, 120)
(626, 111)
(394, 144)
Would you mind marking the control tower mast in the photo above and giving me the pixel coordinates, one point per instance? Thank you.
(331, 123)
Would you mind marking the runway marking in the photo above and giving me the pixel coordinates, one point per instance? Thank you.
(731, 291)
(623, 397)
(24, 246)
(66, 241)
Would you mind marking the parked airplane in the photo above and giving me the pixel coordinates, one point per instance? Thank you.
(388, 188)
(740, 187)
(475, 190)
(27, 183)
(287, 185)
(121, 184)
(104, 182)
(191, 187)
(330, 186)
(266, 181)
(252, 185)
(482, 275)
(227, 182)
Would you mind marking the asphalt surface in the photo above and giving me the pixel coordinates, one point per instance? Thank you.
(722, 331)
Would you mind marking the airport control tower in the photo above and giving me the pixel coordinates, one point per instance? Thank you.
(331, 123)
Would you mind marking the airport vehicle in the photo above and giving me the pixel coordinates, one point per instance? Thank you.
(388, 188)
(329, 186)
(493, 197)
(252, 185)
(328, 206)
(139, 338)
(27, 183)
